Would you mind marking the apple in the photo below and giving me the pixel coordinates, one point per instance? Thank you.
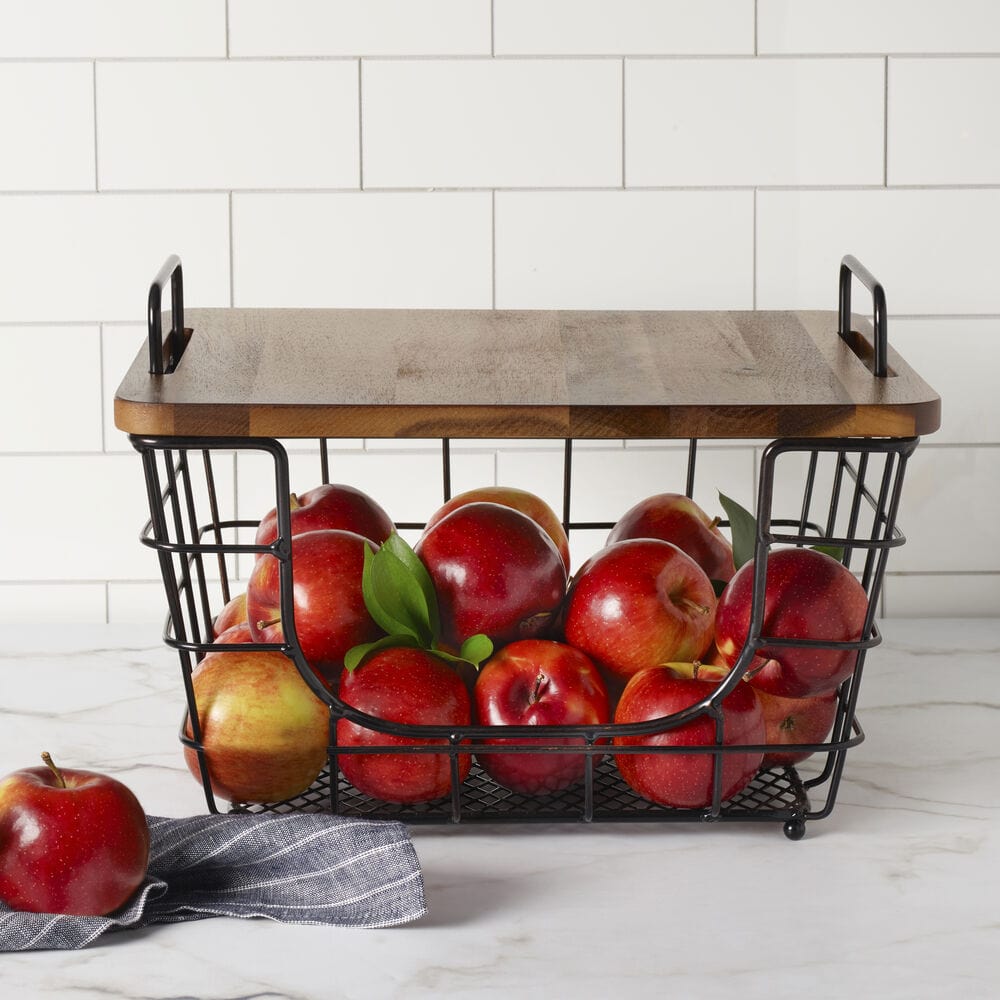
(495, 572)
(796, 720)
(685, 780)
(332, 505)
(329, 608)
(809, 595)
(234, 612)
(264, 732)
(509, 496)
(73, 842)
(240, 632)
(639, 603)
(676, 518)
(538, 682)
(411, 686)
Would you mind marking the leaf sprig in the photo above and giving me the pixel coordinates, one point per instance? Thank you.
(399, 595)
(743, 526)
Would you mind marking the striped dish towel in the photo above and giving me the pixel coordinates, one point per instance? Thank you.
(297, 869)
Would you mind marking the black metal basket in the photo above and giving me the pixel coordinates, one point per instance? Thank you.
(847, 497)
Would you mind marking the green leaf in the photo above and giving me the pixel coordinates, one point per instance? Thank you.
(356, 655)
(836, 551)
(476, 648)
(400, 594)
(398, 546)
(743, 526)
(383, 616)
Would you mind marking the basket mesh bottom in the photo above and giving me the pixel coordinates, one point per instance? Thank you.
(775, 794)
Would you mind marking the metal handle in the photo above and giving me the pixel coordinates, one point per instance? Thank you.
(852, 266)
(176, 340)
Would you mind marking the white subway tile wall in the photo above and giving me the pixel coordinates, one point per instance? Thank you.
(476, 154)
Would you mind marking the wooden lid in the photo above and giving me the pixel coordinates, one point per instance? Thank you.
(523, 374)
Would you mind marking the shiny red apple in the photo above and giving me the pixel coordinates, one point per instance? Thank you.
(495, 571)
(809, 595)
(409, 686)
(685, 780)
(509, 496)
(263, 730)
(331, 506)
(640, 603)
(235, 634)
(538, 682)
(676, 518)
(796, 720)
(71, 841)
(329, 609)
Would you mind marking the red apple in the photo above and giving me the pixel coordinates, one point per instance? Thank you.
(509, 496)
(235, 634)
(495, 571)
(685, 780)
(232, 614)
(537, 682)
(264, 732)
(72, 842)
(796, 720)
(332, 505)
(409, 686)
(640, 603)
(809, 595)
(329, 608)
(675, 518)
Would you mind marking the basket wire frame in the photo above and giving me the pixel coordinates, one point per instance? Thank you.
(847, 497)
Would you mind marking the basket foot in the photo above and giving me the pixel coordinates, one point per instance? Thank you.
(795, 828)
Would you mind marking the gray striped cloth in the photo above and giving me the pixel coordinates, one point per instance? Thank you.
(304, 868)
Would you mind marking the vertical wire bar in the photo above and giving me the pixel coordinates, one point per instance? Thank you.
(456, 783)
(332, 766)
(196, 557)
(807, 495)
(213, 508)
(852, 524)
(446, 467)
(567, 483)
(717, 759)
(877, 526)
(324, 461)
(185, 575)
(588, 784)
(838, 481)
(161, 535)
(692, 458)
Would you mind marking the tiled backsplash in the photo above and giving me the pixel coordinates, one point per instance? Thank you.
(462, 153)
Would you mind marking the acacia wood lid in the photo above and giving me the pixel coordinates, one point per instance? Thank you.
(523, 374)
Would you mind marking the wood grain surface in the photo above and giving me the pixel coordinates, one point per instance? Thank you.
(523, 374)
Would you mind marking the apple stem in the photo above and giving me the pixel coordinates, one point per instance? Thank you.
(52, 767)
(716, 521)
(539, 681)
(267, 624)
(695, 669)
(293, 502)
(693, 606)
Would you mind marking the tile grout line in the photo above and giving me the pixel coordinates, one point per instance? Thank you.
(885, 125)
(623, 123)
(97, 180)
(493, 248)
(361, 135)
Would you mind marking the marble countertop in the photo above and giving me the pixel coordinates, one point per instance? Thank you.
(893, 895)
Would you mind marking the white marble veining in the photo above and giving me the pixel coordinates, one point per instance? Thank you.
(892, 896)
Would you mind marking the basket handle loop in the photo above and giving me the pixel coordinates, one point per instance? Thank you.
(171, 349)
(851, 266)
